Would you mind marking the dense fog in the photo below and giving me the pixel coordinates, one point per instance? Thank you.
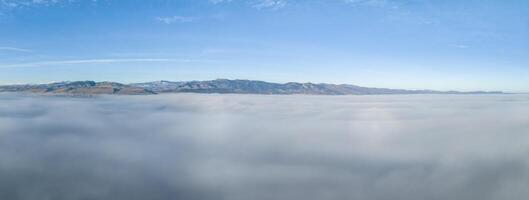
(262, 147)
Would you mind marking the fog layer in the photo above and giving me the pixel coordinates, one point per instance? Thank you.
(257, 147)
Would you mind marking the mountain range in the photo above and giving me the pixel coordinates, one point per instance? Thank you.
(77, 88)
(213, 86)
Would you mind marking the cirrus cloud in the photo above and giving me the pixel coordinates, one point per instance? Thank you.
(15, 49)
(96, 61)
(175, 19)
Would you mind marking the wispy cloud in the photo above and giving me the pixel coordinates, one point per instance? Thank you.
(258, 4)
(11, 4)
(269, 4)
(373, 3)
(96, 61)
(219, 1)
(175, 19)
(278, 4)
(460, 46)
(14, 49)
(7, 7)
(368, 2)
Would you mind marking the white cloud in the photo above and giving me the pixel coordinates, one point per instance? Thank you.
(14, 49)
(269, 4)
(27, 3)
(174, 19)
(219, 1)
(9, 5)
(96, 61)
(460, 46)
(258, 4)
(373, 3)
(263, 147)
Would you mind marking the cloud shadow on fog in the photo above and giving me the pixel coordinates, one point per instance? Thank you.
(191, 146)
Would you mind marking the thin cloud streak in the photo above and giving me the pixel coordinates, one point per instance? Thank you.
(219, 1)
(174, 19)
(270, 4)
(96, 61)
(258, 4)
(15, 49)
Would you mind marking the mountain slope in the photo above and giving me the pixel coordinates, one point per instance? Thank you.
(78, 88)
(212, 86)
(261, 87)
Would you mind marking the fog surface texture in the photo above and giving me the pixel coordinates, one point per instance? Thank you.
(258, 147)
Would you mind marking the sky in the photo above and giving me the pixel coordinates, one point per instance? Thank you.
(408, 44)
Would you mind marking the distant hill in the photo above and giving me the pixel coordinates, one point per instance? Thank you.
(261, 87)
(78, 88)
(212, 86)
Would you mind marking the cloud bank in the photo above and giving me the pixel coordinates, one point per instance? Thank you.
(240, 147)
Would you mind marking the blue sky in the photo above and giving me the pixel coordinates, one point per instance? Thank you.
(411, 44)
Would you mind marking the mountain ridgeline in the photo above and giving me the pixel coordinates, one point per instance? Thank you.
(78, 88)
(212, 86)
(261, 87)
